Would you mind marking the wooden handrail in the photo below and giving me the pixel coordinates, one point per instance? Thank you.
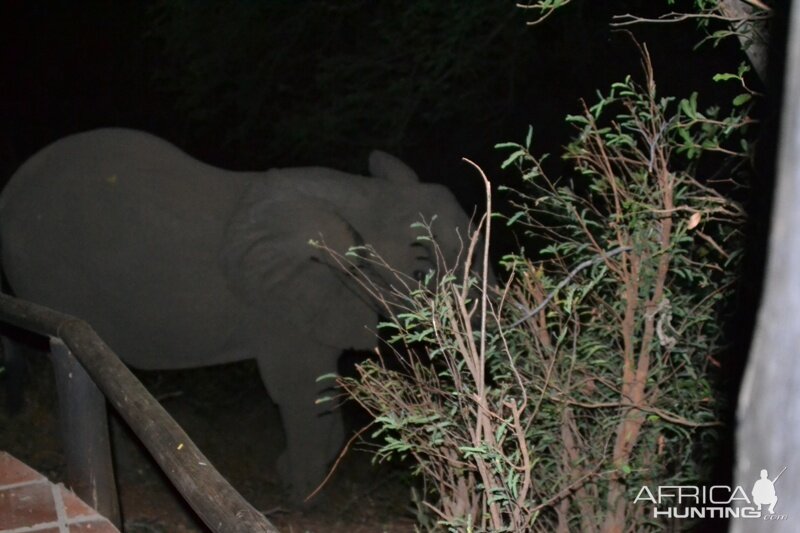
(217, 503)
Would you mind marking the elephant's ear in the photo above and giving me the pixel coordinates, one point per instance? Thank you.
(267, 246)
(386, 166)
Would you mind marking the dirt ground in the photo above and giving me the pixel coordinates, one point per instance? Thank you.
(227, 413)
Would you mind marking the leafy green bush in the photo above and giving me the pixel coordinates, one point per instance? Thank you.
(548, 402)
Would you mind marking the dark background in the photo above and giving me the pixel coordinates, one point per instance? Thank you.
(252, 85)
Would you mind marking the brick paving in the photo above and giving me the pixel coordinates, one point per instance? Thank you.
(29, 503)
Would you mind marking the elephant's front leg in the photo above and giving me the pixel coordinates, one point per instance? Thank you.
(314, 431)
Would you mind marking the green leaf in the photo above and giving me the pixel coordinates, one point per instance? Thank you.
(689, 107)
(512, 158)
(743, 69)
(577, 119)
(725, 76)
(507, 145)
(742, 99)
(684, 134)
(517, 216)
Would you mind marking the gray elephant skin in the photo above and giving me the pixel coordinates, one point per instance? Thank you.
(178, 264)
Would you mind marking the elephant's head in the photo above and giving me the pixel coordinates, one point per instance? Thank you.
(268, 252)
(417, 229)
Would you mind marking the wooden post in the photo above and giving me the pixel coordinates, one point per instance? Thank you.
(84, 432)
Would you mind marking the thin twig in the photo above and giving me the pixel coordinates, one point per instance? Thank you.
(575, 271)
(338, 460)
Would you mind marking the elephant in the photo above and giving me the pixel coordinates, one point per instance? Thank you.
(179, 264)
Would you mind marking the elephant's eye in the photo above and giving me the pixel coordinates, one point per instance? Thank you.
(419, 275)
(423, 252)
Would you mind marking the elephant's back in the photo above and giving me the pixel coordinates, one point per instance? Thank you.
(120, 227)
(111, 190)
(101, 164)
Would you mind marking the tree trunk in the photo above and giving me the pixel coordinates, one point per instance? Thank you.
(768, 432)
(753, 35)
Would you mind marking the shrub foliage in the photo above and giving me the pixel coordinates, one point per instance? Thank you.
(548, 402)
